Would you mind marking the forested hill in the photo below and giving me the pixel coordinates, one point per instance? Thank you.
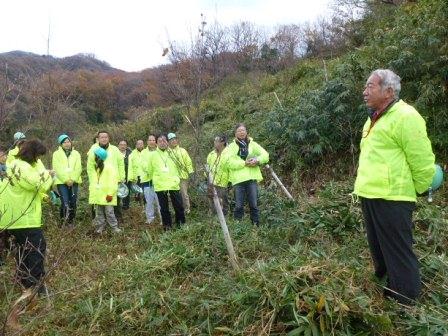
(20, 63)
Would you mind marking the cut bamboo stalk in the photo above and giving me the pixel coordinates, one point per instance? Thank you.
(280, 184)
(222, 221)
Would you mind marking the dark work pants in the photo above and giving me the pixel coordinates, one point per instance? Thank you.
(68, 196)
(30, 255)
(389, 233)
(127, 200)
(249, 190)
(176, 201)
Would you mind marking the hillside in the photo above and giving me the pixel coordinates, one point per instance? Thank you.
(20, 63)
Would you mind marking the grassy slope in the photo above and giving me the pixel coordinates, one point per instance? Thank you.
(308, 268)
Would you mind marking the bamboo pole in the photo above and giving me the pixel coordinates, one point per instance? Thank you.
(222, 221)
(280, 184)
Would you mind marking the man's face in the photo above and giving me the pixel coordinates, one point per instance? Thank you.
(241, 133)
(374, 96)
(122, 146)
(162, 143)
(152, 144)
(173, 143)
(2, 157)
(139, 145)
(67, 144)
(103, 139)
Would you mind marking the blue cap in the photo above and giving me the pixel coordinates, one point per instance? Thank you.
(101, 153)
(62, 138)
(171, 136)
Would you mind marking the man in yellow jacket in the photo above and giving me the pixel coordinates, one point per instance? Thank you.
(184, 165)
(67, 165)
(140, 161)
(244, 159)
(21, 211)
(164, 174)
(395, 164)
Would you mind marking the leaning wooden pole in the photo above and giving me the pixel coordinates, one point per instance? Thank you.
(222, 221)
(280, 184)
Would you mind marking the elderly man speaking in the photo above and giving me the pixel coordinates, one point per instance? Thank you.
(395, 164)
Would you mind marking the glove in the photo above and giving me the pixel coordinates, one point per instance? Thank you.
(109, 198)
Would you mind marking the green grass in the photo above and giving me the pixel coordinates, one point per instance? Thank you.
(306, 271)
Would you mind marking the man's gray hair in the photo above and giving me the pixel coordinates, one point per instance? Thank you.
(389, 79)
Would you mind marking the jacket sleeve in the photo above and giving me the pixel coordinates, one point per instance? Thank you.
(187, 161)
(131, 167)
(147, 166)
(416, 146)
(120, 165)
(77, 169)
(262, 154)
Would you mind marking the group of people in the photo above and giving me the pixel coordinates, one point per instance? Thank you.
(396, 164)
(161, 170)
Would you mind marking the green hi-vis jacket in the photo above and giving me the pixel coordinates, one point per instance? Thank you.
(12, 155)
(138, 165)
(21, 195)
(114, 158)
(238, 171)
(163, 171)
(103, 184)
(396, 158)
(218, 168)
(183, 161)
(67, 168)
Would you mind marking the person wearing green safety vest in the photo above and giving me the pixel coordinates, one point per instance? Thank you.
(135, 165)
(103, 191)
(21, 211)
(19, 139)
(244, 159)
(164, 174)
(217, 165)
(185, 167)
(114, 159)
(396, 163)
(141, 168)
(67, 165)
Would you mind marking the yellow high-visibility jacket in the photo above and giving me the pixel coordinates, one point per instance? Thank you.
(396, 158)
(21, 195)
(103, 184)
(67, 168)
(238, 171)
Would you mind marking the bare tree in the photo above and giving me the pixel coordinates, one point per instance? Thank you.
(245, 40)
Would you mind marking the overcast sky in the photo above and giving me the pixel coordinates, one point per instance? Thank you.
(131, 34)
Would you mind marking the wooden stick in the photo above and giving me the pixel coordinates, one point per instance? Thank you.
(281, 185)
(222, 221)
(278, 100)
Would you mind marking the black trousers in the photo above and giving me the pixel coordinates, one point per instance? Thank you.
(176, 201)
(30, 255)
(389, 233)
